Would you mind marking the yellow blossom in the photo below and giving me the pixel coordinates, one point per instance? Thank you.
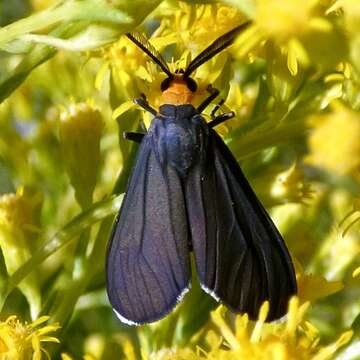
(301, 30)
(313, 287)
(293, 339)
(284, 20)
(351, 10)
(334, 143)
(222, 17)
(19, 224)
(134, 73)
(20, 341)
(290, 186)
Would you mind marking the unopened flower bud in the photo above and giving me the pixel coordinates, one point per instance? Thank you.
(80, 132)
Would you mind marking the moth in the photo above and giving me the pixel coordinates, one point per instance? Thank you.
(187, 194)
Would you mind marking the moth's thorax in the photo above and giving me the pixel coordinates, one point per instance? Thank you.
(177, 93)
(177, 136)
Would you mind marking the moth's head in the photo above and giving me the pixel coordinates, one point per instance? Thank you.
(178, 89)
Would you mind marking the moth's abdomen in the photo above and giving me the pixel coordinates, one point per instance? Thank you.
(177, 137)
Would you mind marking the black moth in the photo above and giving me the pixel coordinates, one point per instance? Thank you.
(188, 193)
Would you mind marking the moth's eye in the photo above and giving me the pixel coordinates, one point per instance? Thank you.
(191, 84)
(165, 84)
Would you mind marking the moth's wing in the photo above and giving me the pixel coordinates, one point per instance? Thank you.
(148, 266)
(240, 256)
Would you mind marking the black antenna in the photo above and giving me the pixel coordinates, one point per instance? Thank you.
(143, 43)
(218, 45)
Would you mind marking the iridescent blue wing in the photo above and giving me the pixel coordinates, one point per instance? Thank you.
(240, 256)
(148, 267)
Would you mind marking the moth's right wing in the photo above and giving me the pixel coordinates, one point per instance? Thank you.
(240, 255)
(148, 263)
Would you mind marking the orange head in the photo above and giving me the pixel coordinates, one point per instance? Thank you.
(177, 90)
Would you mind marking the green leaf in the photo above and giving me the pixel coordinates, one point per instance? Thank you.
(68, 35)
(67, 12)
(39, 54)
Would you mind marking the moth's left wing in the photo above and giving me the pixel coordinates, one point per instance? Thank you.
(241, 258)
(148, 263)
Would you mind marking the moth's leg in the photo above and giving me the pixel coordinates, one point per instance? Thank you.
(142, 102)
(221, 118)
(133, 136)
(213, 94)
(216, 108)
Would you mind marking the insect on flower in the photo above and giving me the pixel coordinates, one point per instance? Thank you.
(187, 193)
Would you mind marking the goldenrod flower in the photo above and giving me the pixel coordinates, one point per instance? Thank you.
(293, 339)
(351, 9)
(334, 143)
(18, 224)
(134, 73)
(285, 20)
(313, 287)
(291, 186)
(20, 341)
(301, 30)
(80, 132)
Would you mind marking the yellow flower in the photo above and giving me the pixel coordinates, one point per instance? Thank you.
(294, 339)
(284, 20)
(290, 186)
(128, 64)
(134, 73)
(24, 341)
(20, 210)
(313, 287)
(18, 224)
(195, 38)
(351, 10)
(300, 29)
(334, 144)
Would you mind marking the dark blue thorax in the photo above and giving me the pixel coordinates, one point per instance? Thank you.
(178, 135)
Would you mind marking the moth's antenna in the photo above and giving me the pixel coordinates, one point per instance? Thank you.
(143, 43)
(218, 45)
